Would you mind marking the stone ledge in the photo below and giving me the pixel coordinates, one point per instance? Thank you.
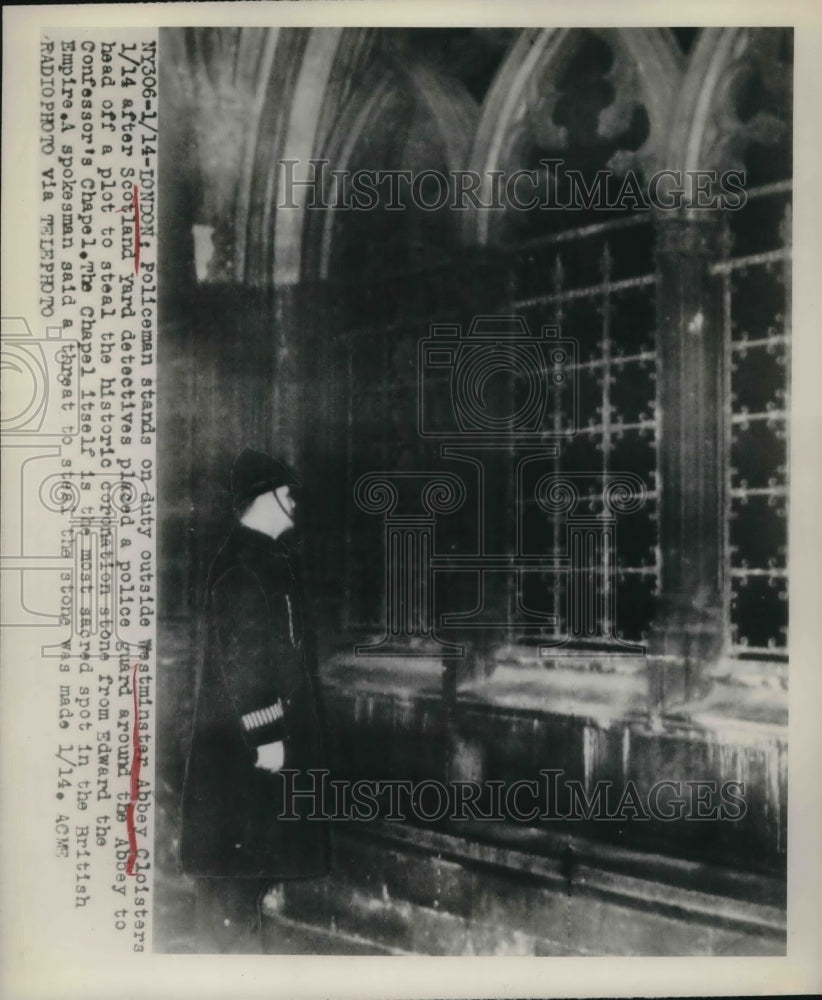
(413, 891)
(740, 902)
(573, 688)
(397, 722)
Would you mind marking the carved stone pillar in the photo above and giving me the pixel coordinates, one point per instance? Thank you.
(687, 636)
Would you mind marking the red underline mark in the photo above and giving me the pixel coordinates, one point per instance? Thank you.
(136, 229)
(134, 791)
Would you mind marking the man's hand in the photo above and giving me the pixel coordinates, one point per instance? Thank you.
(271, 757)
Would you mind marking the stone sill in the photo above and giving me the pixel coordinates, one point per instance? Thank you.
(744, 712)
(755, 711)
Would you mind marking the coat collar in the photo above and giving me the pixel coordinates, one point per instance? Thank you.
(251, 538)
(256, 545)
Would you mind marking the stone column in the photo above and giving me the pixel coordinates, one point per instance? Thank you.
(687, 635)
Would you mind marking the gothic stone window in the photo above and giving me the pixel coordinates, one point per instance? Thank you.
(680, 320)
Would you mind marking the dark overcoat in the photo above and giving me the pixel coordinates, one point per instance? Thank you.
(256, 687)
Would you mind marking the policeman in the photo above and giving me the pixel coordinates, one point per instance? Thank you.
(256, 713)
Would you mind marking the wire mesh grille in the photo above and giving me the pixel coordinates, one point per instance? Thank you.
(755, 273)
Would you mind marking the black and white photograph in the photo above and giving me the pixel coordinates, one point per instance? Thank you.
(409, 551)
(474, 395)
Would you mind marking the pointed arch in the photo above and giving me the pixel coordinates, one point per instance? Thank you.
(453, 114)
(706, 129)
(651, 52)
(288, 104)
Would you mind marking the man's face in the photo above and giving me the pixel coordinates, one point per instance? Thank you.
(286, 501)
(272, 512)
